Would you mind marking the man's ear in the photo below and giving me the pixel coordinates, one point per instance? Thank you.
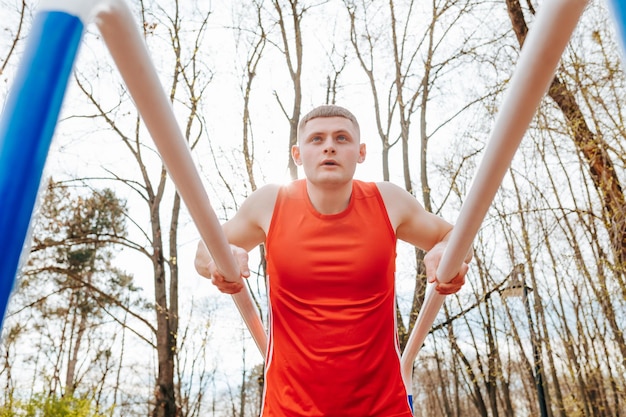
(362, 153)
(295, 154)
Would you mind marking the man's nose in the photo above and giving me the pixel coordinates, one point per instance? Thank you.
(329, 147)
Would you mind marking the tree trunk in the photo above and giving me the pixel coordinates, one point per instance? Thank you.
(294, 64)
(165, 401)
(70, 383)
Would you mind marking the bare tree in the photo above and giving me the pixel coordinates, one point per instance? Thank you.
(592, 147)
(288, 18)
(15, 35)
(188, 78)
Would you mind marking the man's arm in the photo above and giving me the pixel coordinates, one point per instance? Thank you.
(422, 229)
(246, 230)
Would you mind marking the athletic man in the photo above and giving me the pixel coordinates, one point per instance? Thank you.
(330, 244)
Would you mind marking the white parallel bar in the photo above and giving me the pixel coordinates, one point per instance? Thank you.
(85, 10)
(540, 55)
(130, 54)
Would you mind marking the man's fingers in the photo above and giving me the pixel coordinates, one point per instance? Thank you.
(242, 259)
(455, 284)
(202, 259)
(231, 288)
(224, 286)
(207, 268)
(431, 269)
(449, 288)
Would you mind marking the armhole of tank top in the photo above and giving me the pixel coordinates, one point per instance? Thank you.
(383, 207)
(277, 206)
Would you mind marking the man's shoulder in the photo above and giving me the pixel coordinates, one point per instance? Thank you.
(257, 209)
(386, 187)
(266, 193)
(395, 196)
(362, 188)
(292, 189)
(266, 196)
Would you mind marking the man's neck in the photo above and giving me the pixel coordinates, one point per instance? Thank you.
(329, 199)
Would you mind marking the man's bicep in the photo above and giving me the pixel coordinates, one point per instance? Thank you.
(424, 229)
(243, 232)
(247, 229)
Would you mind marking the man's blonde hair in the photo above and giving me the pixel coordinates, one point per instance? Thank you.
(328, 110)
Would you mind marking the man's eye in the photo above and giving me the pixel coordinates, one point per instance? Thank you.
(342, 138)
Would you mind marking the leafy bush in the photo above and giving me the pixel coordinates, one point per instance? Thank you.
(51, 406)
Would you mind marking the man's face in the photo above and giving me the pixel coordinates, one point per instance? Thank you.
(329, 149)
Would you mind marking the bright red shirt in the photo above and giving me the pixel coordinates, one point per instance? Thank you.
(333, 345)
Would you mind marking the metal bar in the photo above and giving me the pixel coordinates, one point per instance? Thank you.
(129, 52)
(26, 131)
(535, 70)
(618, 11)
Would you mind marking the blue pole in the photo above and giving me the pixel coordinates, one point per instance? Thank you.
(26, 130)
(619, 16)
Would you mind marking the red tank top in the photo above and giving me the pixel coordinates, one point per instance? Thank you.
(333, 345)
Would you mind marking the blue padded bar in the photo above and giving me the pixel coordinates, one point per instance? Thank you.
(619, 16)
(26, 130)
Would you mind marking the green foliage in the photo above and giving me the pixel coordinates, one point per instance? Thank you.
(68, 293)
(78, 231)
(51, 406)
(74, 241)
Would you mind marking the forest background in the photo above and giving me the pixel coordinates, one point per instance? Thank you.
(109, 318)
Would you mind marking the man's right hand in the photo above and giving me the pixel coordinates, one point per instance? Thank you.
(207, 268)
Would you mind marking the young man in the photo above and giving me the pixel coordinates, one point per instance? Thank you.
(330, 244)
